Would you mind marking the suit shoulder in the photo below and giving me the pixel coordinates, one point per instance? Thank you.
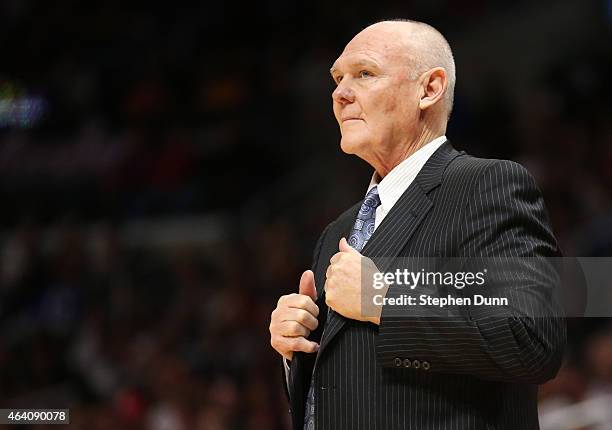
(468, 169)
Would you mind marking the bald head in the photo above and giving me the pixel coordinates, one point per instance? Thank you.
(423, 46)
(394, 91)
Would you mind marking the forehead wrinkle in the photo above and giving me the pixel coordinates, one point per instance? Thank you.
(369, 60)
(381, 44)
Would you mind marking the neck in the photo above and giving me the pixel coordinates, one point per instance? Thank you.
(392, 160)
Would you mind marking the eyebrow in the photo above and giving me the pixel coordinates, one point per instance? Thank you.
(362, 62)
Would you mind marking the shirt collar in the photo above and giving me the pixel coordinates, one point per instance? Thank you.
(397, 181)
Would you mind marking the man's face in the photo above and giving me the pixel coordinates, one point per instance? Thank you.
(375, 102)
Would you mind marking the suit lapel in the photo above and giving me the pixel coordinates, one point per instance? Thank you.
(396, 229)
(398, 226)
(330, 322)
(410, 210)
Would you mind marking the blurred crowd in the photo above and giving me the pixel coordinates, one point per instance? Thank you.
(156, 114)
(137, 338)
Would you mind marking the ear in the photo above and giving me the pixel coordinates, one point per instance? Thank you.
(433, 87)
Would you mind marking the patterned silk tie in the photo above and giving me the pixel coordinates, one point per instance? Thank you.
(359, 236)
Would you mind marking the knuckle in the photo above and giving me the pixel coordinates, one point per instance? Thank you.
(290, 300)
(304, 301)
(307, 347)
(275, 318)
(301, 344)
(295, 327)
(294, 344)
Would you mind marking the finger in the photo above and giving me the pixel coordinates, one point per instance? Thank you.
(302, 317)
(343, 246)
(330, 294)
(300, 301)
(307, 285)
(335, 257)
(293, 329)
(281, 344)
(301, 344)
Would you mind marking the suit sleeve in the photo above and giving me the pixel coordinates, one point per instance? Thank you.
(522, 342)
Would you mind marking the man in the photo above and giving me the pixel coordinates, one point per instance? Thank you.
(391, 369)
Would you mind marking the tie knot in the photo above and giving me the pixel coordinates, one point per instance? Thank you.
(369, 205)
(372, 199)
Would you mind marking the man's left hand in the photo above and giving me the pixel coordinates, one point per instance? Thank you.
(343, 284)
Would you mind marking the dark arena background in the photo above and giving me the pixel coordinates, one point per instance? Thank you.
(165, 171)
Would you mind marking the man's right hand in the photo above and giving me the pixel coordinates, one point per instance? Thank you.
(294, 318)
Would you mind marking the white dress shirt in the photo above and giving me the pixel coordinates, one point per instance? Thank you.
(392, 186)
(397, 181)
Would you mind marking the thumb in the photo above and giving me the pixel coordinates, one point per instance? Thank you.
(307, 285)
(343, 246)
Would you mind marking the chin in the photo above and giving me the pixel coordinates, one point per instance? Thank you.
(351, 145)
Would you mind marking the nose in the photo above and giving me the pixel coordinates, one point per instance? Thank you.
(343, 94)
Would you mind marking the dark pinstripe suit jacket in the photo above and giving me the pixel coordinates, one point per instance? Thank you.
(480, 372)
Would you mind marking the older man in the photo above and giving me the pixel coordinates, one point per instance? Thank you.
(390, 369)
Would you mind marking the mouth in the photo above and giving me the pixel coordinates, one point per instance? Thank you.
(344, 120)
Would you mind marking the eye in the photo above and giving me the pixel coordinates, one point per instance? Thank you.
(365, 74)
(337, 79)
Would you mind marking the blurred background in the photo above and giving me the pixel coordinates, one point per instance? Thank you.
(166, 170)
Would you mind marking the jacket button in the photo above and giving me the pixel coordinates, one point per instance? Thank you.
(425, 365)
(398, 362)
(407, 362)
(416, 364)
